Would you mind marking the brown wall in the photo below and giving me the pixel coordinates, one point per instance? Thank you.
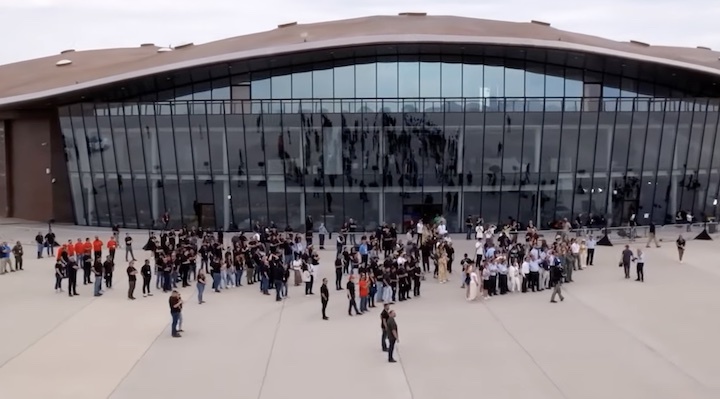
(34, 144)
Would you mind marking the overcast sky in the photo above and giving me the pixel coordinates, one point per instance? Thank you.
(36, 28)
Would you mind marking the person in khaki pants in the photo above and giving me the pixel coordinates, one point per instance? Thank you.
(652, 237)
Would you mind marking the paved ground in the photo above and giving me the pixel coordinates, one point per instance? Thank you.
(610, 338)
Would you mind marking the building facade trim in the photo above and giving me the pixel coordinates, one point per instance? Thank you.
(396, 39)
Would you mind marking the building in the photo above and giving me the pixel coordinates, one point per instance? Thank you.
(385, 118)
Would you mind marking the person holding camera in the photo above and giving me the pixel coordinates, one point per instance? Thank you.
(557, 277)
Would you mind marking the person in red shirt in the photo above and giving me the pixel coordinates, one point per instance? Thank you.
(97, 248)
(79, 249)
(70, 249)
(111, 245)
(60, 252)
(364, 291)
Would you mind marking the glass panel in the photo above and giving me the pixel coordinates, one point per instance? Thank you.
(387, 79)
(260, 89)
(364, 75)
(472, 81)
(323, 83)
(302, 85)
(452, 80)
(281, 87)
(535, 81)
(409, 79)
(514, 82)
(493, 83)
(430, 79)
(238, 171)
(345, 81)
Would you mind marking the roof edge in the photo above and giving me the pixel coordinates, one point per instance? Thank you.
(354, 41)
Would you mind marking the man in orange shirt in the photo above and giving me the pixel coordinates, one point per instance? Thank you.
(79, 249)
(111, 245)
(364, 291)
(70, 250)
(61, 251)
(97, 248)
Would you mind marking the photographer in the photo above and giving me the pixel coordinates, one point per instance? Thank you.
(557, 276)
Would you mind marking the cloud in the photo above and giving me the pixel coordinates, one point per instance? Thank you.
(35, 28)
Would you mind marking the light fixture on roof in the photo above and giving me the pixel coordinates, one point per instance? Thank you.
(71, 50)
(704, 48)
(304, 36)
(183, 45)
(63, 63)
(639, 43)
(536, 22)
(287, 25)
(147, 45)
(164, 50)
(413, 14)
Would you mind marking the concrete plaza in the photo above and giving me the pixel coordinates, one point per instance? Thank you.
(610, 338)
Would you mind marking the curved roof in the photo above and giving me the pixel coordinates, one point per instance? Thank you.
(41, 78)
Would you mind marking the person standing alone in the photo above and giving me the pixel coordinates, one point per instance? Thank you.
(627, 257)
(146, 271)
(352, 304)
(128, 247)
(391, 330)
(324, 297)
(132, 279)
(175, 310)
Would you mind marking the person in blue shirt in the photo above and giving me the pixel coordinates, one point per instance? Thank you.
(4, 257)
(363, 250)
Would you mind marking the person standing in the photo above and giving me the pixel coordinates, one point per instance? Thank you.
(97, 245)
(18, 254)
(111, 246)
(146, 272)
(640, 265)
(4, 258)
(652, 237)
(132, 279)
(201, 285)
(322, 232)
(627, 257)
(391, 330)
(128, 247)
(175, 311)
(680, 247)
(590, 251)
(364, 291)
(556, 281)
(384, 315)
(71, 271)
(98, 271)
(39, 241)
(352, 304)
(59, 274)
(277, 273)
(324, 297)
(109, 268)
(50, 242)
(87, 268)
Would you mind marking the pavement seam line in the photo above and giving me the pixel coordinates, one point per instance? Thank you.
(532, 358)
(407, 378)
(272, 349)
(50, 331)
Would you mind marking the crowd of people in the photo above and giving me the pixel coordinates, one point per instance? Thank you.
(374, 269)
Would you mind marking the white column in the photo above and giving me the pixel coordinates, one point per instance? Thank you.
(90, 201)
(536, 169)
(673, 194)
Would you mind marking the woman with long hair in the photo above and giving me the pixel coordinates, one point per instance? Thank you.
(680, 247)
(473, 286)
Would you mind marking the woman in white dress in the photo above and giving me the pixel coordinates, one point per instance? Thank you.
(474, 284)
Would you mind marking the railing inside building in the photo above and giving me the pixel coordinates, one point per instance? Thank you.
(425, 105)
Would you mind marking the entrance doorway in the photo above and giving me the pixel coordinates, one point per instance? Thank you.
(426, 212)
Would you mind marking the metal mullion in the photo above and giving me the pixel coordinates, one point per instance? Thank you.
(687, 151)
(285, 178)
(559, 154)
(502, 153)
(192, 151)
(672, 154)
(538, 194)
(657, 163)
(627, 155)
(265, 163)
(642, 160)
(227, 161)
(132, 173)
(522, 163)
(212, 174)
(611, 143)
(177, 168)
(102, 162)
(577, 160)
(702, 141)
(482, 157)
(117, 171)
(597, 133)
(79, 171)
(160, 162)
(247, 172)
(712, 157)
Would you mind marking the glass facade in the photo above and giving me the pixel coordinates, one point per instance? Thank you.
(392, 138)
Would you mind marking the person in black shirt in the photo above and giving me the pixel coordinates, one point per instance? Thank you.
(98, 271)
(383, 326)
(128, 247)
(338, 273)
(351, 296)
(109, 268)
(277, 273)
(71, 270)
(175, 310)
(40, 241)
(557, 276)
(215, 268)
(59, 274)
(324, 297)
(146, 271)
(680, 247)
(132, 280)
(416, 276)
(86, 266)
